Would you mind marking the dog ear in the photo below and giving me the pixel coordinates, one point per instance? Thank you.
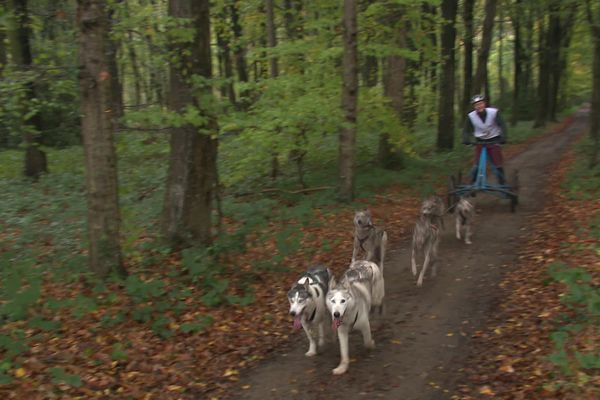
(332, 281)
(307, 285)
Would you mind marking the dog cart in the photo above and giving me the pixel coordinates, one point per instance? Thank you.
(457, 189)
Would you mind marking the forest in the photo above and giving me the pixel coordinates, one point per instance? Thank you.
(160, 160)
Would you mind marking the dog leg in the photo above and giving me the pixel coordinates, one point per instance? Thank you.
(468, 233)
(383, 246)
(345, 357)
(366, 334)
(422, 274)
(312, 343)
(458, 227)
(321, 334)
(414, 262)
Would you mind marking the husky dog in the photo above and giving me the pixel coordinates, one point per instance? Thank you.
(349, 302)
(307, 305)
(464, 218)
(426, 235)
(368, 239)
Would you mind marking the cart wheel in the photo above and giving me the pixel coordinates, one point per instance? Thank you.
(514, 184)
(451, 198)
(514, 181)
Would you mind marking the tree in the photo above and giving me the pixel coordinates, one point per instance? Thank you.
(97, 129)
(592, 11)
(480, 80)
(347, 141)
(445, 127)
(468, 7)
(394, 77)
(19, 36)
(193, 145)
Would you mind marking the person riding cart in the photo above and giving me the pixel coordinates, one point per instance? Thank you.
(486, 126)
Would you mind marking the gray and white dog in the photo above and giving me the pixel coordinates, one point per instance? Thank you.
(349, 302)
(368, 239)
(307, 305)
(426, 235)
(465, 213)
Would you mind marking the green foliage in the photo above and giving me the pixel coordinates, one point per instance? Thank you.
(584, 301)
(60, 376)
(582, 181)
(201, 323)
(118, 352)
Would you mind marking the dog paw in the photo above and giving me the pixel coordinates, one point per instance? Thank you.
(310, 353)
(370, 345)
(341, 369)
(420, 282)
(468, 241)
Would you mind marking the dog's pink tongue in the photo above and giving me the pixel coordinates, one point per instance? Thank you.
(298, 322)
(336, 323)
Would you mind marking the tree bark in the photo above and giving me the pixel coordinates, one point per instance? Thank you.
(113, 68)
(192, 170)
(35, 162)
(543, 75)
(445, 128)
(225, 62)
(239, 50)
(104, 220)
(394, 78)
(480, 80)
(501, 81)
(468, 7)
(517, 68)
(347, 138)
(593, 16)
(271, 37)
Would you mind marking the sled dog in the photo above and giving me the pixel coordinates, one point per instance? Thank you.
(368, 239)
(307, 305)
(349, 301)
(426, 235)
(464, 219)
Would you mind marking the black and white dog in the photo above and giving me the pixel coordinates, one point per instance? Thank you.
(307, 305)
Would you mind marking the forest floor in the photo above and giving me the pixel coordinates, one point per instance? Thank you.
(432, 342)
(156, 335)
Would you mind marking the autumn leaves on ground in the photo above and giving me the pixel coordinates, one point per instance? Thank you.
(182, 328)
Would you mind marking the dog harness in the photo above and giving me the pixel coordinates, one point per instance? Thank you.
(363, 240)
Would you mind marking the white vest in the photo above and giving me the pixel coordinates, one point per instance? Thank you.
(487, 129)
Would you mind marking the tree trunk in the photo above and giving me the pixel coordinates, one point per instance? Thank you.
(271, 37)
(445, 128)
(97, 129)
(480, 80)
(593, 16)
(394, 80)
(225, 63)
(239, 50)
(468, 7)
(518, 55)
(543, 76)
(192, 165)
(35, 162)
(501, 81)
(595, 112)
(347, 143)
(111, 54)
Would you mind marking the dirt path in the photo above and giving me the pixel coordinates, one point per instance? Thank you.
(423, 338)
